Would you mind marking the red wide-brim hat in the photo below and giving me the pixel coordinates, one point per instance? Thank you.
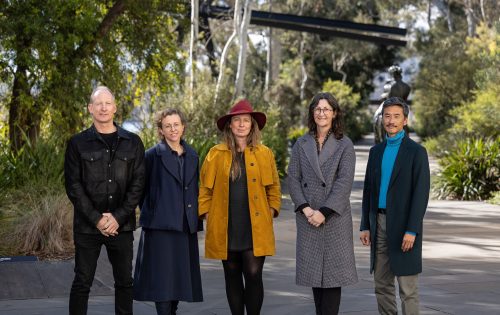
(242, 107)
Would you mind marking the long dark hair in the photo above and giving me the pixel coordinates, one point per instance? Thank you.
(253, 139)
(338, 121)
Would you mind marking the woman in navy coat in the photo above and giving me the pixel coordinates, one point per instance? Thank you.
(167, 269)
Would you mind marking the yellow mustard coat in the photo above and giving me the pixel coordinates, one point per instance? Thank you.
(263, 193)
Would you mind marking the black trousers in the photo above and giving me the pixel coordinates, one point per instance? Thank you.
(327, 300)
(120, 253)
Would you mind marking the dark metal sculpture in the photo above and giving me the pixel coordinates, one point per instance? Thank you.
(394, 87)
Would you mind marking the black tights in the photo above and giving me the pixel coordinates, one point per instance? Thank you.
(251, 293)
(327, 300)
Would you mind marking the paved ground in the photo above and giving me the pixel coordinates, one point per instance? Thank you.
(461, 269)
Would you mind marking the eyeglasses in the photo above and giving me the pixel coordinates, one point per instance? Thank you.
(172, 127)
(325, 110)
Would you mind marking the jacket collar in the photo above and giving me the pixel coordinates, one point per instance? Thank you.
(169, 161)
(94, 134)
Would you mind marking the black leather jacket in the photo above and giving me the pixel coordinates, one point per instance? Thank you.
(102, 179)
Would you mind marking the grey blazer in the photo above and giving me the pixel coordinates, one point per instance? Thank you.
(325, 254)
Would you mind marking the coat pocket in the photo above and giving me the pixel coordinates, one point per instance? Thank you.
(124, 161)
(93, 166)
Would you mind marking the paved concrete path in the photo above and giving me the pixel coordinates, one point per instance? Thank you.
(461, 269)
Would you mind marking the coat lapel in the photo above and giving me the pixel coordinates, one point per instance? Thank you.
(168, 160)
(329, 148)
(378, 154)
(191, 164)
(400, 160)
(309, 147)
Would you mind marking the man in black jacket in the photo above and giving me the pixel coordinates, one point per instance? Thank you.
(105, 178)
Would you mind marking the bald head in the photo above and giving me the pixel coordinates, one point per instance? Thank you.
(98, 90)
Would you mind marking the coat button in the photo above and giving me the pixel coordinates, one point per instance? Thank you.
(186, 188)
(91, 158)
(257, 214)
(189, 205)
(251, 164)
(254, 180)
(109, 180)
(305, 184)
(324, 185)
(110, 197)
(255, 197)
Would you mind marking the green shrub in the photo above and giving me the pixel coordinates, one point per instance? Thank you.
(477, 117)
(471, 170)
(495, 199)
(34, 164)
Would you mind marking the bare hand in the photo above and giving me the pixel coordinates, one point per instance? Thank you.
(273, 212)
(101, 225)
(111, 226)
(308, 212)
(317, 218)
(408, 241)
(364, 236)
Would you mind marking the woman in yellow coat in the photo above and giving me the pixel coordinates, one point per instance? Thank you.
(239, 197)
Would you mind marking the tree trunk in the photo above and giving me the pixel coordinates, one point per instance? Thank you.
(471, 21)
(225, 51)
(444, 7)
(204, 27)
(192, 47)
(269, 55)
(242, 58)
(25, 113)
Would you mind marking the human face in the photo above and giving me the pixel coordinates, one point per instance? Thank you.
(241, 125)
(324, 115)
(172, 128)
(394, 120)
(102, 108)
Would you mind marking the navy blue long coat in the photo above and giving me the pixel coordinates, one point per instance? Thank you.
(407, 198)
(170, 191)
(168, 266)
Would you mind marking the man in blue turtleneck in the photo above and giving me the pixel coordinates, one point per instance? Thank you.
(395, 197)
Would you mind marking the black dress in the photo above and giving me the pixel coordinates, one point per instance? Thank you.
(239, 227)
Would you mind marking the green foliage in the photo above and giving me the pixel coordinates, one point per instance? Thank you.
(444, 80)
(295, 133)
(479, 118)
(471, 170)
(35, 214)
(495, 199)
(39, 164)
(273, 137)
(55, 52)
(356, 118)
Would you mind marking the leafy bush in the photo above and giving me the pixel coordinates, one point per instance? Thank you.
(477, 117)
(470, 171)
(40, 164)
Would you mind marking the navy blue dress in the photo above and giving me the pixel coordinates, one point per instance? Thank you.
(167, 266)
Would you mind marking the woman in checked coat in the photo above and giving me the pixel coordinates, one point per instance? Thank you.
(320, 176)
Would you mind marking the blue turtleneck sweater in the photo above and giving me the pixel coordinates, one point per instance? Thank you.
(388, 159)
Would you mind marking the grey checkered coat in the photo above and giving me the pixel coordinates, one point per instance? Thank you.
(325, 254)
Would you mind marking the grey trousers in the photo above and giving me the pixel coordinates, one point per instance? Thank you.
(384, 279)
